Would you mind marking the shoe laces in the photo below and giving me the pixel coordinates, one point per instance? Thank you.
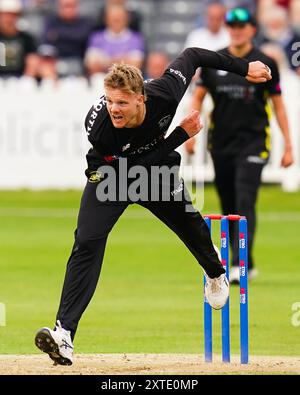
(58, 327)
(215, 285)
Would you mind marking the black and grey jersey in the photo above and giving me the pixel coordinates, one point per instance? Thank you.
(147, 144)
(240, 119)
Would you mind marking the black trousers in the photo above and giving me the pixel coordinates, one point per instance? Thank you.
(237, 180)
(95, 221)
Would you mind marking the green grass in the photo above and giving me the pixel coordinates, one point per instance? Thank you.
(150, 297)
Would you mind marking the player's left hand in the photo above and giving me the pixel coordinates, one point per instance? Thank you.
(287, 158)
(258, 72)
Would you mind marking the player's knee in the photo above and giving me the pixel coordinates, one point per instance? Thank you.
(85, 242)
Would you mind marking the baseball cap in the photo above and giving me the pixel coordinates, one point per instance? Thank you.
(239, 16)
(47, 51)
(14, 6)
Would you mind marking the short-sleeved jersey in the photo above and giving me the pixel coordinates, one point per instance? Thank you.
(16, 49)
(240, 119)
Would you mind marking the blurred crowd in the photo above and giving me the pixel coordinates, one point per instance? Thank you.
(73, 44)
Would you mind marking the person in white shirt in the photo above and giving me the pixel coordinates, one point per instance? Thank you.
(214, 35)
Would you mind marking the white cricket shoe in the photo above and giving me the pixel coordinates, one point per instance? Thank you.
(217, 291)
(234, 275)
(56, 343)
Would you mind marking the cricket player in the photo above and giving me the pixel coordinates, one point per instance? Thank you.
(129, 123)
(239, 133)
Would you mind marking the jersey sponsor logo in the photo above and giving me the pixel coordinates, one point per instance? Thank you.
(97, 108)
(95, 176)
(256, 159)
(164, 122)
(237, 91)
(111, 158)
(180, 75)
(147, 147)
(178, 189)
(125, 147)
(222, 73)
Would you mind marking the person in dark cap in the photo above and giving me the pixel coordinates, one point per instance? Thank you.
(19, 47)
(48, 55)
(239, 132)
(68, 32)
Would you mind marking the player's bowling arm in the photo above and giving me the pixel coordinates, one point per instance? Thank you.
(177, 77)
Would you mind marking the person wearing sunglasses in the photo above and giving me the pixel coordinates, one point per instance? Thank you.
(239, 132)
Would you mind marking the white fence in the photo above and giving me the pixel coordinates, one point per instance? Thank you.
(43, 142)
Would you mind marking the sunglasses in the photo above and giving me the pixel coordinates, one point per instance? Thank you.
(237, 15)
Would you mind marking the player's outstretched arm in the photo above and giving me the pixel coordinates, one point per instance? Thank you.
(177, 77)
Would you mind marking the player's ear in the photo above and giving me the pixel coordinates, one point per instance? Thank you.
(254, 30)
(141, 99)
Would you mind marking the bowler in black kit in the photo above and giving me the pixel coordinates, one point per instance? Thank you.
(129, 124)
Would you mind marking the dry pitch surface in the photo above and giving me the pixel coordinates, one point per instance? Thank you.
(127, 364)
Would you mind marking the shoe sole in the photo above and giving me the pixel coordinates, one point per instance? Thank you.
(45, 342)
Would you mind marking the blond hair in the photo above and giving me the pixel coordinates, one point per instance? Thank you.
(125, 77)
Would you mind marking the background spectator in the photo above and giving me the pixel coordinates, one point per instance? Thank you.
(156, 64)
(68, 33)
(20, 48)
(214, 35)
(250, 5)
(295, 15)
(277, 29)
(275, 52)
(135, 18)
(47, 62)
(44, 4)
(116, 43)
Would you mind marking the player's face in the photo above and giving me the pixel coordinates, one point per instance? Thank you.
(241, 34)
(124, 107)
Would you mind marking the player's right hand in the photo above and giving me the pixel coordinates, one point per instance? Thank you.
(258, 72)
(191, 123)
